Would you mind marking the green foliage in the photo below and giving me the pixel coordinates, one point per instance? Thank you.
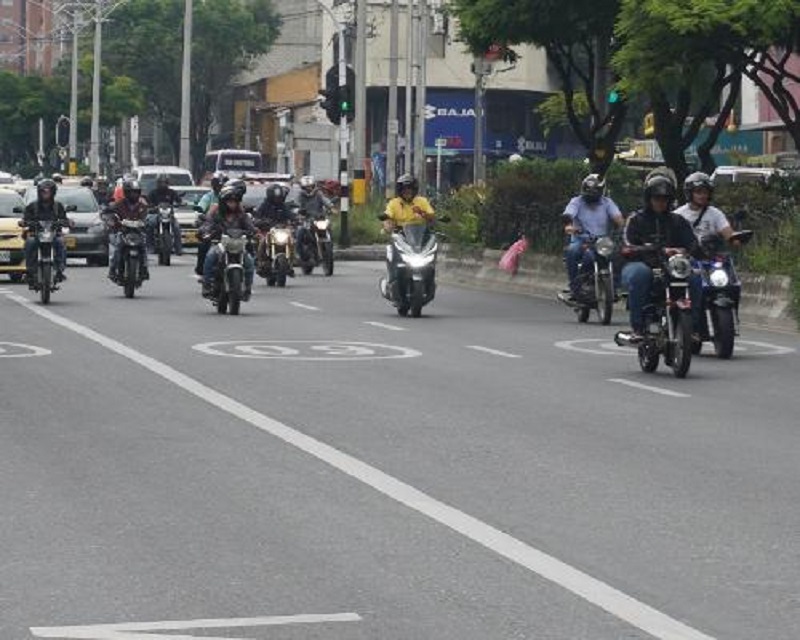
(553, 110)
(464, 208)
(363, 223)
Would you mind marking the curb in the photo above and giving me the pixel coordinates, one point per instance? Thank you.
(374, 252)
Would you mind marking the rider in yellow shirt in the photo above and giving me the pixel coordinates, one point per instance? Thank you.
(407, 207)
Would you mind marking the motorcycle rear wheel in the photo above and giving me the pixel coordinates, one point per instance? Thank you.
(682, 347)
(648, 358)
(724, 332)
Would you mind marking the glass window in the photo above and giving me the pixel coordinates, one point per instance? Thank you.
(8, 201)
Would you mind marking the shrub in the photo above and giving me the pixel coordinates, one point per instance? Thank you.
(464, 207)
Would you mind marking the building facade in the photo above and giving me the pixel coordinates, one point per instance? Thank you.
(32, 39)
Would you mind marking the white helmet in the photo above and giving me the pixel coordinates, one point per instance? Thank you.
(308, 182)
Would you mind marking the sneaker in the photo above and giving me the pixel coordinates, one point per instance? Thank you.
(567, 298)
(112, 276)
(60, 276)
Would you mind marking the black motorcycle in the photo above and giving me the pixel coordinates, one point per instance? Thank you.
(315, 246)
(595, 283)
(229, 287)
(667, 316)
(46, 232)
(133, 256)
(164, 239)
(412, 256)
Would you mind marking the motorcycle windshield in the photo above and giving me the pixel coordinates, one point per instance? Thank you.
(417, 236)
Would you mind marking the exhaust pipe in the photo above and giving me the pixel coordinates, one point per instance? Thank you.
(626, 339)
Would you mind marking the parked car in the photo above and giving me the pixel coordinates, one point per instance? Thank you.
(727, 175)
(88, 238)
(12, 246)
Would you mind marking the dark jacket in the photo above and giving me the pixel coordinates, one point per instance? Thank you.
(158, 196)
(39, 211)
(218, 224)
(315, 204)
(270, 214)
(124, 210)
(661, 230)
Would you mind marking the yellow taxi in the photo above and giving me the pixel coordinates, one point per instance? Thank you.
(12, 246)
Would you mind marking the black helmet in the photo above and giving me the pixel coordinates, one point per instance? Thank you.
(47, 183)
(697, 180)
(87, 182)
(132, 190)
(592, 188)
(239, 186)
(218, 180)
(658, 185)
(228, 194)
(406, 181)
(276, 194)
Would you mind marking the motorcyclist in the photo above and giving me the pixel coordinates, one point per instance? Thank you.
(57, 178)
(311, 199)
(163, 194)
(405, 209)
(653, 228)
(209, 200)
(273, 210)
(706, 220)
(589, 214)
(132, 207)
(229, 214)
(45, 209)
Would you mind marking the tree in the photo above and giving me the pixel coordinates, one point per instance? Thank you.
(145, 43)
(682, 77)
(577, 36)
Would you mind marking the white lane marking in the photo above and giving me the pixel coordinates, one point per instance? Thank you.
(306, 350)
(494, 352)
(645, 387)
(636, 613)
(388, 327)
(131, 630)
(17, 350)
(307, 307)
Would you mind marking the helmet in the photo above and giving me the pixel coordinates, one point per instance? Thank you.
(58, 178)
(592, 188)
(658, 185)
(697, 180)
(229, 192)
(47, 183)
(239, 186)
(132, 190)
(276, 194)
(87, 182)
(307, 183)
(217, 180)
(406, 181)
(515, 157)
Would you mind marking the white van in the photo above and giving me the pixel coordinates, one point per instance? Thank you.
(177, 176)
(727, 175)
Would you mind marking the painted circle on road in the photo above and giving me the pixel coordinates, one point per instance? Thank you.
(17, 350)
(604, 347)
(306, 350)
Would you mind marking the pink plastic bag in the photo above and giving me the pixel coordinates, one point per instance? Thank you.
(509, 262)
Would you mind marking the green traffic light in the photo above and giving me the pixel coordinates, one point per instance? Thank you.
(614, 97)
(345, 106)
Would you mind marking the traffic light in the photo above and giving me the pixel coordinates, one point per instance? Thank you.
(62, 132)
(615, 96)
(347, 93)
(339, 101)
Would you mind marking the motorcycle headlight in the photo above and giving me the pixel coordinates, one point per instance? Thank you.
(417, 262)
(280, 236)
(322, 225)
(605, 247)
(45, 236)
(679, 267)
(719, 278)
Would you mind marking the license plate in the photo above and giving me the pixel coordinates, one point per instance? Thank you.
(70, 243)
(189, 236)
(5, 256)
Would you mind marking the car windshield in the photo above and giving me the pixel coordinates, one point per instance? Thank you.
(8, 201)
(79, 197)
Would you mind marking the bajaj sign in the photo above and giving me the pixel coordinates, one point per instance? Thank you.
(432, 112)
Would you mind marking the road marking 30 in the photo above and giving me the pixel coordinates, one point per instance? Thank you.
(307, 307)
(143, 630)
(388, 327)
(494, 352)
(627, 608)
(646, 387)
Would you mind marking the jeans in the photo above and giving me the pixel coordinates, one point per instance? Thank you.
(637, 277)
(115, 255)
(152, 223)
(573, 255)
(210, 268)
(59, 253)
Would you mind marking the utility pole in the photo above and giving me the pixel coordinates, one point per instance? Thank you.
(186, 88)
(392, 125)
(410, 66)
(94, 149)
(248, 120)
(422, 86)
(360, 137)
(479, 166)
(73, 98)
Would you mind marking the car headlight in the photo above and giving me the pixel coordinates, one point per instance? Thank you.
(719, 278)
(417, 262)
(679, 267)
(605, 247)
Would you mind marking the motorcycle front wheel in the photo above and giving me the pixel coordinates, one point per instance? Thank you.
(605, 299)
(281, 270)
(234, 292)
(131, 268)
(724, 332)
(682, 347)
(327, 260)
(45, 280)
(165, 256)
(417, 298)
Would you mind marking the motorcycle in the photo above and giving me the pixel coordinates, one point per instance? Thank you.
(413, 252)
(279, 256)
(667, 317)
(130, 273)
(722, 291)
(229, 284)
(43, 279)
(595, 287)
(164, 239)
(316, 245)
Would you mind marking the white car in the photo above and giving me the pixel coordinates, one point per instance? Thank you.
(177, 176)
(727, 175)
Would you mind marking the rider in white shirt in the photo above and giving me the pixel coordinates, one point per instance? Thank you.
(706, 220)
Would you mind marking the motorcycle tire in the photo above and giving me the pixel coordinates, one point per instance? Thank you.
(308, 269)
(130, 277)
(45, 282)
(724, 332)
(605, 300)
(697, 348)
(235, 293)
(648, 358)
(327, 261)
(281, 270)
(583, 314)
(222, 303)
(165, 256)
(417, 298)
(682, 347)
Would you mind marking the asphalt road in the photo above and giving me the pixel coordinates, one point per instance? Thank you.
(484, 472)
